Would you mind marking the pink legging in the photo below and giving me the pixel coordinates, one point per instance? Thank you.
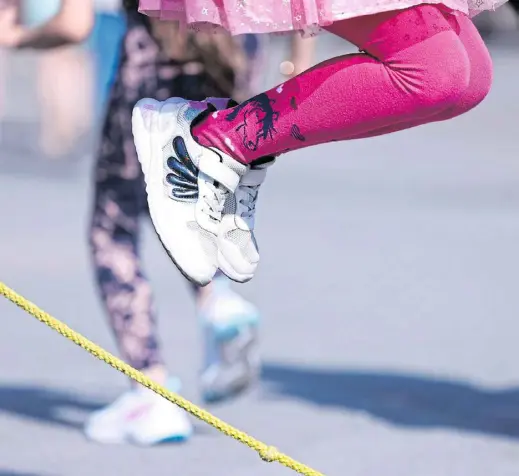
(417, 66)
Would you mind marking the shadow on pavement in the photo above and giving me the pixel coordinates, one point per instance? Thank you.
(58, 408)
(403, 400)
(45, 405)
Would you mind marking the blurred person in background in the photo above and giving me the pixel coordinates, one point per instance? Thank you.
(160, 60)
(105, 46)
(63, 73)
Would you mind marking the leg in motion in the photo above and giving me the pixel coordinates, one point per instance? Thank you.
(188, 189)
(138, 415)
(414, 67)
(480, 82)
(127, 297)
(228, 321)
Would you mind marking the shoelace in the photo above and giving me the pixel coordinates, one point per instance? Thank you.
(215, 201)
(249, 203)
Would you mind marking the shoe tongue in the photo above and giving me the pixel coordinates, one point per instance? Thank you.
(254, 177)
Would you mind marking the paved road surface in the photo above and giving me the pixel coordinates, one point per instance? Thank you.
(389, 292)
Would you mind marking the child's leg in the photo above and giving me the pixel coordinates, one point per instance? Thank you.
(480, 76)
(125, 291)
(249, 81)
(481, 71)
(65, 87)
(118, 206)
(415, 67)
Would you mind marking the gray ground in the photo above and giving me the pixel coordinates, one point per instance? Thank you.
(390, 303)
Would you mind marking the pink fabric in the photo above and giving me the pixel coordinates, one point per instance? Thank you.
(420, 65)
(266, 16)
(480, 81)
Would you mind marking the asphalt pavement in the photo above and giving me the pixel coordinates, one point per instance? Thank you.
(389, 292)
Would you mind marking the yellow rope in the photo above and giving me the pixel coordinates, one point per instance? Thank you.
(267, 453)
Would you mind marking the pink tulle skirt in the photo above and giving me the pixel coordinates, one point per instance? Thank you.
(276, 16)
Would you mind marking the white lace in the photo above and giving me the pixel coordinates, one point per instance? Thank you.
(248, 201)
(215, 201)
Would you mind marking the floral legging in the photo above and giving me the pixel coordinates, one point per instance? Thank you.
(119, 196)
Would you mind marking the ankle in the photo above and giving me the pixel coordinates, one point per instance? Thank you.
(212, 131)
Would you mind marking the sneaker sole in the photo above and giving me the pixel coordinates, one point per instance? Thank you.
(127, 440)
(176, 439)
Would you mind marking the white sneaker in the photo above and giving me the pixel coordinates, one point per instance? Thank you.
(139, 416)
(187, 184)
(238, 254)
(232, 362)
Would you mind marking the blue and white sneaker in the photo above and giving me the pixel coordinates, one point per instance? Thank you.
(232, 361)
(142, 417)
(187, 184)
